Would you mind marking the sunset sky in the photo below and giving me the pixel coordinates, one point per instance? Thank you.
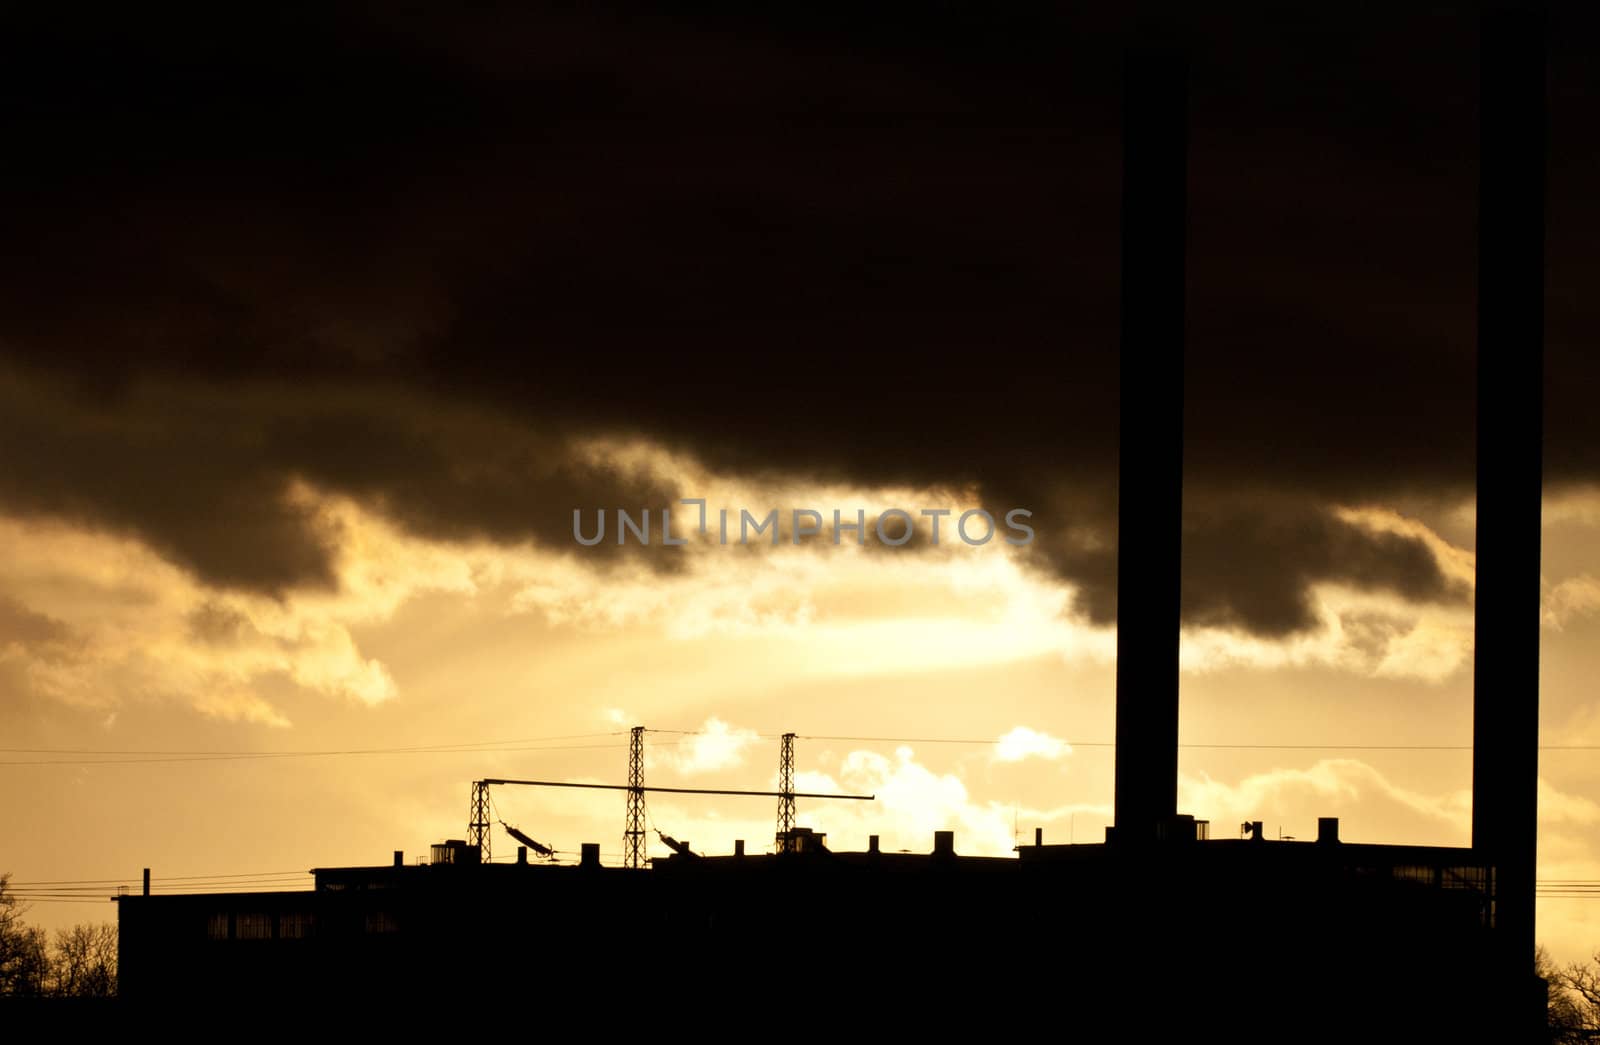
(312, 339)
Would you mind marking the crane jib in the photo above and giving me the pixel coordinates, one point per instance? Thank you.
(674, 790)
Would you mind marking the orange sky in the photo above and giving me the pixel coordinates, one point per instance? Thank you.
(521, 662)
(305, 361)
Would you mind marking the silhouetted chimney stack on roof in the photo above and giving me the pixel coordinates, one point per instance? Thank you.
(1509, 464)
(1150, 457)
(1511, 216)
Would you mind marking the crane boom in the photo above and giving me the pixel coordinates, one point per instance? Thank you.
(633, 832)
(674, 790)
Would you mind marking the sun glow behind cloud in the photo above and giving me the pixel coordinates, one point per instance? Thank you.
(100, 622)
(1023, 743)
(144, 629)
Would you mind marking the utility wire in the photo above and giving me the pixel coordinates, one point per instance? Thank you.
(991, 741)
(131, 756)
(261, 755)
(422, 747)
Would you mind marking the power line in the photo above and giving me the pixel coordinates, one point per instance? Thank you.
(1586, 889)
(101, 899)
(421, 747)
(246, 884)
(126, 887)
(133, 756)
(1213, 747)
(992, 741)
(260, 755)
(165, 878)
(30, 898)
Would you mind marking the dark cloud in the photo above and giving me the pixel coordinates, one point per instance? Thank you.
(1372, 634)
(215, 624)
(30, 629)
(1251, 567)
(205, 472)
(412, 259)
(29, 639)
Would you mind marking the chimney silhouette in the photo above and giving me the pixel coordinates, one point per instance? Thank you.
(1505, 706)
(1150, 458)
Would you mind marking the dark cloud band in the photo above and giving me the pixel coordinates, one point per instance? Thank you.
(420, 261)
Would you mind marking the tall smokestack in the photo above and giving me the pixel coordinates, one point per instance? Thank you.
(1150, 464)
(1505, 758)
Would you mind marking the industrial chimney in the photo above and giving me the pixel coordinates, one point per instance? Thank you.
(1150, 460)
(1505, 755)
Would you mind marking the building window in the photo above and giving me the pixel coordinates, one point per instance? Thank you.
(1472, 878)
(295, 925)
(217, 926)
(382, 922)
(253, 927)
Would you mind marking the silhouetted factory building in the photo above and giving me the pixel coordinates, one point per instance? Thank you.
(1363, 935)
(1154, 928)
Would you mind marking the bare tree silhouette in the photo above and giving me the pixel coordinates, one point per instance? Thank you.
(24, 950)
(1574, 998)
(83, 963)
